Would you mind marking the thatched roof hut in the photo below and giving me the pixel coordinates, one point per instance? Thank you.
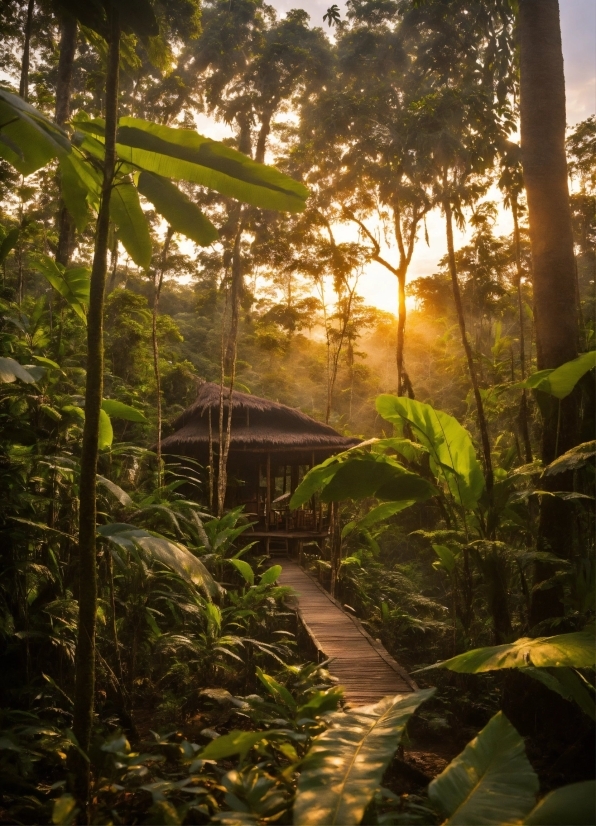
(271, 448)
(259, 427)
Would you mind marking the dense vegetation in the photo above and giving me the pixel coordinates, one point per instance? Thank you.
(151, 670)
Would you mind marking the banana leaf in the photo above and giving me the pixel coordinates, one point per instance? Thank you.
(452, 452)
(178, 210)
(183, 154)
(575, 650)
(346, 763)
(575, 804)
(490, 783)
(127, 214)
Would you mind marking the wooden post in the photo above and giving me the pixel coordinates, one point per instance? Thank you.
(312, 501)
(268, 494)
(335, 545)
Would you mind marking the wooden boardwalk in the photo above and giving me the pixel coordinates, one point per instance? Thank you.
(363, 667)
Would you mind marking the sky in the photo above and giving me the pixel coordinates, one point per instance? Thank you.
(578, 30)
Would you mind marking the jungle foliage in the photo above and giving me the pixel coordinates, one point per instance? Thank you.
(152, 671)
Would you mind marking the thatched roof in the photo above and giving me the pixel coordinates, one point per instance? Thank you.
(258, 426)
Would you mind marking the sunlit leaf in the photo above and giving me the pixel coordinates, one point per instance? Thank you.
(452, 452)
(271, 575)
(244, 570)
(234, 743)
(491, 782)
(64, 810)
(183, 154)
(171, 554)
(561, 381)
(177, 209)
(358, 475)
(346, 763)
(28, 139)
(106, 431)
(575, 650)
(446, 557)
(133, 229)
(278, 691)
(119, 410)
(73, 284)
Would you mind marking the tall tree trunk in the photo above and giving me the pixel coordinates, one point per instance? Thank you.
(404, 385)
(237, 268)
(542, 115)
(87, 570)
(236, 292)
(24, 82)
(488, 467)
(156, 294)
(68, 47)
(523, 407)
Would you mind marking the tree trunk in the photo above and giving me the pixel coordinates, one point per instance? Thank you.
(68, 46)
(24, 83)
(156, 294)
(236, 293)
(404, 385)
(87, 572)
(488, 468)
(523, 407)
(542, 115)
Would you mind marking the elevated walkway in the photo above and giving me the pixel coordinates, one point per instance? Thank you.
(362, 665)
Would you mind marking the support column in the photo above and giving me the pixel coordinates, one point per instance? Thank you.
(268, 495)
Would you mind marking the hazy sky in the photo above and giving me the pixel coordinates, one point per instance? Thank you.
(578, 26)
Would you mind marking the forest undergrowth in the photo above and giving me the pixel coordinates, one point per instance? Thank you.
(153, 670)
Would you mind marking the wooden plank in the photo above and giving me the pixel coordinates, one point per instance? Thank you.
(362, 665)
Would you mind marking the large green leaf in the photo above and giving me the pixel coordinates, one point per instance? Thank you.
(575, 650)
(452, 452)
(178, 210)
(346, 763)
(236, 742)
(28, 139)
(271, 575)
(278, 691)
(183, 154)
(133, 230)
(106, 432)
(169, 553)
(561, 381)
(490, 782)
(72, 284)
(359, 475)
(379, 514)
(11, 370)
(119, 410)
(574, 804)
(80, 187)
(315, 480)
(244, 569)
(567, 683)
